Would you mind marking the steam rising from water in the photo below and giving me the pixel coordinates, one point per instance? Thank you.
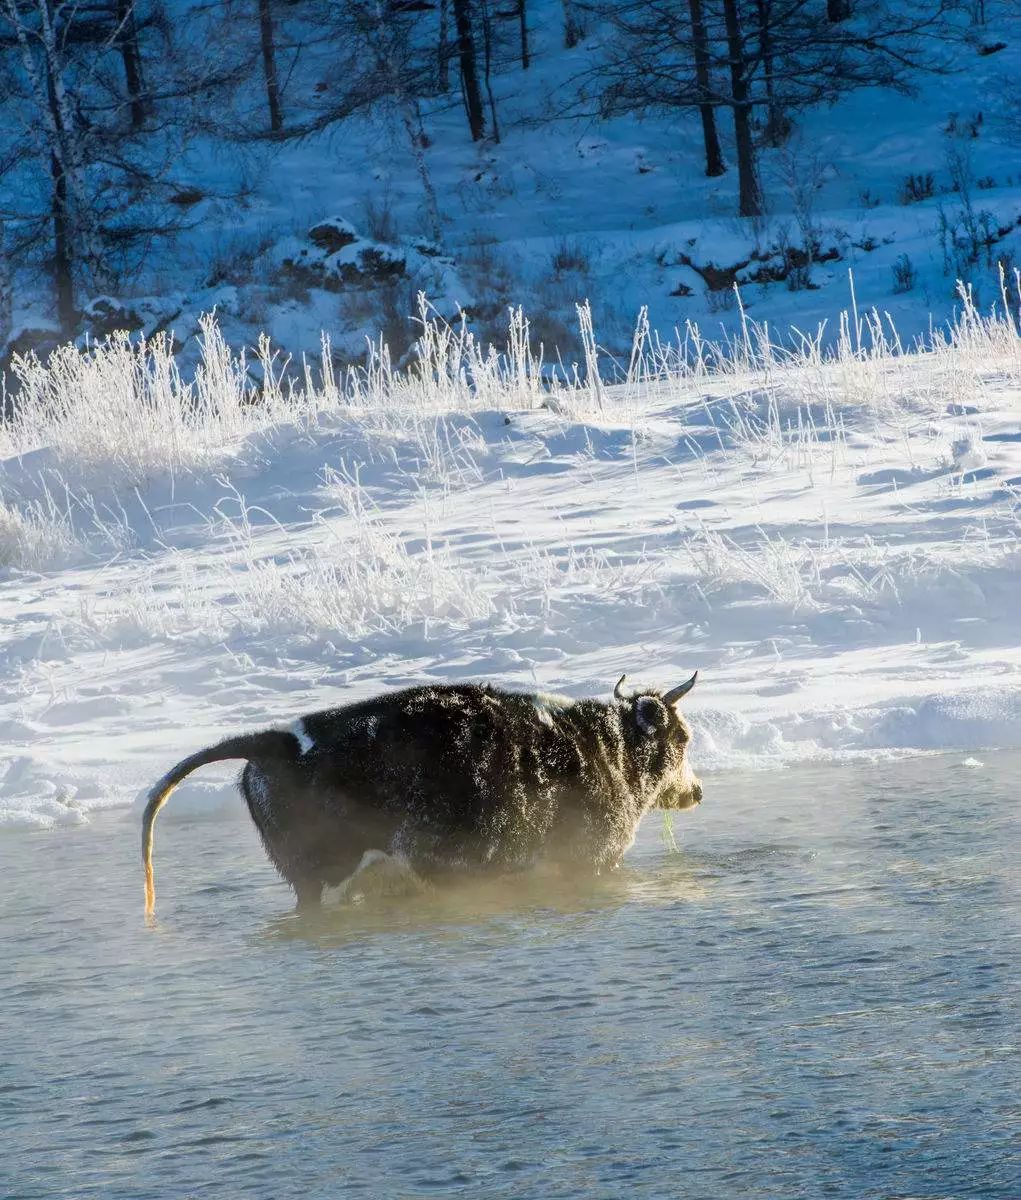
(820, 969)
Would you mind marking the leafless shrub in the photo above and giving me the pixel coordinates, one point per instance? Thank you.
(378, 217)
(570, 255)
(904, 274)
(802, 172)
(917, 187)
(722, 301)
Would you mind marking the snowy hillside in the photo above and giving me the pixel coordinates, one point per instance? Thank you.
(619, 212)
(909, 192)
(832, 542)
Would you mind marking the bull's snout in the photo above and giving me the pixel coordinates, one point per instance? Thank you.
(685, 795)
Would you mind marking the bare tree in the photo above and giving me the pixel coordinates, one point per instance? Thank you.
(57, 137)
(523, 35)
(749, 192)
(380, 66)
(487, 58)
(769, 56)
(269, 66)
(777, 124)
(472, 93)
(714, 164)
(389, 43)
(90, 191)
(131, 57)
(443, 48)
(573, 32)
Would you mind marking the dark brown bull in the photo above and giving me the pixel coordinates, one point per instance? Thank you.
(458, 777)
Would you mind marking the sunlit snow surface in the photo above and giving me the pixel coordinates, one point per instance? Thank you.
(834, 546)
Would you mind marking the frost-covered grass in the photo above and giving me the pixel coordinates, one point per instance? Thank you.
(801, 574)
(31, 539)
(122, 413)
(830, 536)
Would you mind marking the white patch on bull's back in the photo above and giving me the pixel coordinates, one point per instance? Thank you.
(305, 741)
(547, 703)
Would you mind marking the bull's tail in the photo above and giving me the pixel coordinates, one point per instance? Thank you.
(272, 743)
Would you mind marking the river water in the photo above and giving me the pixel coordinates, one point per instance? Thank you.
(812, 998)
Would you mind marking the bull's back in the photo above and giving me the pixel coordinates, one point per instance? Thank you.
(475, 771)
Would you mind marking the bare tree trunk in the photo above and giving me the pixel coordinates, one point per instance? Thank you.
(443, 52)
(6, 291)
(412, 129)
(838, 10)
(58, 137)
(63, 254)
(775, 121)
(573, 32)
(487, 44)
(269, 66)
(63, 226)
(469, 69)
(526, 59)
(127, 41)
(749, 193)
(66, 144)
(714, 164)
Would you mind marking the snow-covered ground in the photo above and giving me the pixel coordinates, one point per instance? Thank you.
(832, 541)
(570, 205)
(584, 207)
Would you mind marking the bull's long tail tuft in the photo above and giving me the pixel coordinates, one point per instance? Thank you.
(271, 743)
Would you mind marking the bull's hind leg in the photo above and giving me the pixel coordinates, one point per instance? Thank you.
(377, 874)
(290, 823)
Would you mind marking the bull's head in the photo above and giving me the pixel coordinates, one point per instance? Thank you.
(661, 739)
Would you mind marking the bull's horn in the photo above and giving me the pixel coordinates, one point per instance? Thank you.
(618, 692)
(683, 689)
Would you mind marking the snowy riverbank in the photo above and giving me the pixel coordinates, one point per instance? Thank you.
(833, 544)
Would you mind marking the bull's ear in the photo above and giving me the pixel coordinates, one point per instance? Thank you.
(677, 693)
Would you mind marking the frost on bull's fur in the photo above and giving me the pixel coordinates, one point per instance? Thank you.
(547, 706)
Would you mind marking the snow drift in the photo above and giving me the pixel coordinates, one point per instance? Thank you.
(830, 538)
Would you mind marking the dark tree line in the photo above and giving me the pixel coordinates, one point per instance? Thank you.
(99, 99)
(760, 61)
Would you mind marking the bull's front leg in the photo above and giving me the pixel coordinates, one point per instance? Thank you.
(308, 893)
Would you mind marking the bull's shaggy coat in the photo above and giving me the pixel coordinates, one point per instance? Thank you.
(454, 778)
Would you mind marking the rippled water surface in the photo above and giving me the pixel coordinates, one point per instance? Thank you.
(813, 998)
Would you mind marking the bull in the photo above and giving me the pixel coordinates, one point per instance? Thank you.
(453, 778)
